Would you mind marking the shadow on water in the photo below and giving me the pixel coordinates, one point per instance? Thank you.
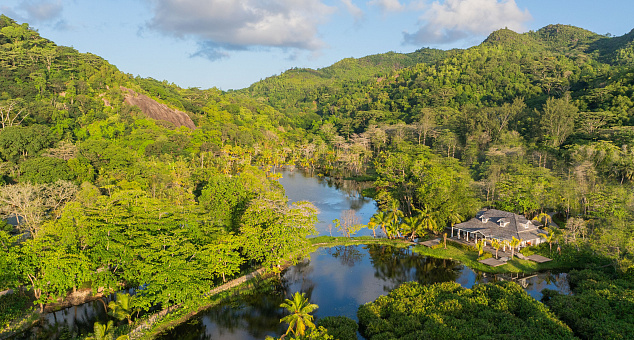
(338, 279)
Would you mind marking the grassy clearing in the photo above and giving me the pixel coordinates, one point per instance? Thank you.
(469, 257)
(331, 241)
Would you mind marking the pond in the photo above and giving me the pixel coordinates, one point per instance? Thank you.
(338, 280)
(331, 197)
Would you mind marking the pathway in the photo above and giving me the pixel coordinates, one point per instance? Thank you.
(147, 324)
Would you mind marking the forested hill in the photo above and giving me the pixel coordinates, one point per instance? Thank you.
(389, 88)
(80, 93)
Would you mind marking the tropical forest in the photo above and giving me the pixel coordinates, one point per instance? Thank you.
(133, 208)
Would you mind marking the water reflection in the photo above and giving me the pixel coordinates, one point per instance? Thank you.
(330, 196)
(339, 279)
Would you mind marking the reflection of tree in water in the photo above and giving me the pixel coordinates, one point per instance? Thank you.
(350, 187)
(258, 312)
(347, 255)
(301, 273)
(68, 323)
(398, 265)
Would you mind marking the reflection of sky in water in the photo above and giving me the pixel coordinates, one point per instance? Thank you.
(330, 201)
(340, 279)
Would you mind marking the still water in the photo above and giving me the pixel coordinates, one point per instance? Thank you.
(338, 280)
(331, 197)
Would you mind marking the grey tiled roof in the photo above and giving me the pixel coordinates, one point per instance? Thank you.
(502, 225)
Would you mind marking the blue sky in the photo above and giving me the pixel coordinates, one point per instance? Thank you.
(230, 44)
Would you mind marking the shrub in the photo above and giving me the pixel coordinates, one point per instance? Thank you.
(340, 327)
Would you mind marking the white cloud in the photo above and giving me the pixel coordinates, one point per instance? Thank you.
(454, 20)
(222, 25)
(353, 9)
(36, 11)
(42, 11)
(388, 5)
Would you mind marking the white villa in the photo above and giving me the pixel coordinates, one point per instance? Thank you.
(490, 224)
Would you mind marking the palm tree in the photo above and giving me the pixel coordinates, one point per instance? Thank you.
(543, 218)
(496, 244)
(411, 225)
(382, 219)
(394, 215)
(480, 247)
(514, 243)
(299, 318)
(550, 237)
(428, 221)
(454, 218)
(122, 308)
(105, 332)
(391, 230)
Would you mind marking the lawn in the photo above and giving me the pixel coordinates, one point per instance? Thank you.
(470, 257)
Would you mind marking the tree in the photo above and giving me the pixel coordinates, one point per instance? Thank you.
(496, 244)
(558, 120)
(548, 237)
(300, 318)
(543, 218)
(123, 307)
(411, 225)
(350, 223)
(428, 221)
(513, 244)
(105, 332)
(480, 247)
(10, 111)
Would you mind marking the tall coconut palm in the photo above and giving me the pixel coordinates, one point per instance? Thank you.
(411, 225)
(550, 237)
(300, 318)
(480, 247)
(543, 218)
(454, 218)
(428, 221)
(496, 244)
(122, 308)
(379, 219)
(514, 243)
(105, 332)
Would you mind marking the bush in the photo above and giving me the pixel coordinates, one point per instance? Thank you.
(602, 306)
(485, 255)
(340, 327)
(448, 311)
(13, 306)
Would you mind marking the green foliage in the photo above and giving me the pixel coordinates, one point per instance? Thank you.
(340, 327)
(448, 311)
(45, 170)
(601, 307)
(13, 306)
(299, 319)
(19, 142)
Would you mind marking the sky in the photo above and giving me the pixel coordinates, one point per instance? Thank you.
(230, 44)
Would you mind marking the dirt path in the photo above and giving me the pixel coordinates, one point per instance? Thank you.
(147, 324)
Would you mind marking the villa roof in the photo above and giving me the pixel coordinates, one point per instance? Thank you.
(501, 225)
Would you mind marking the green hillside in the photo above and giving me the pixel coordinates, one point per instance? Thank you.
(120, 181)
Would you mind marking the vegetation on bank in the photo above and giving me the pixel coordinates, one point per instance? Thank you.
(107, 197)
(449, 311)
(601, 305)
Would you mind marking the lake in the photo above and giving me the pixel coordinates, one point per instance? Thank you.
(331, 197)
(339, 280)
